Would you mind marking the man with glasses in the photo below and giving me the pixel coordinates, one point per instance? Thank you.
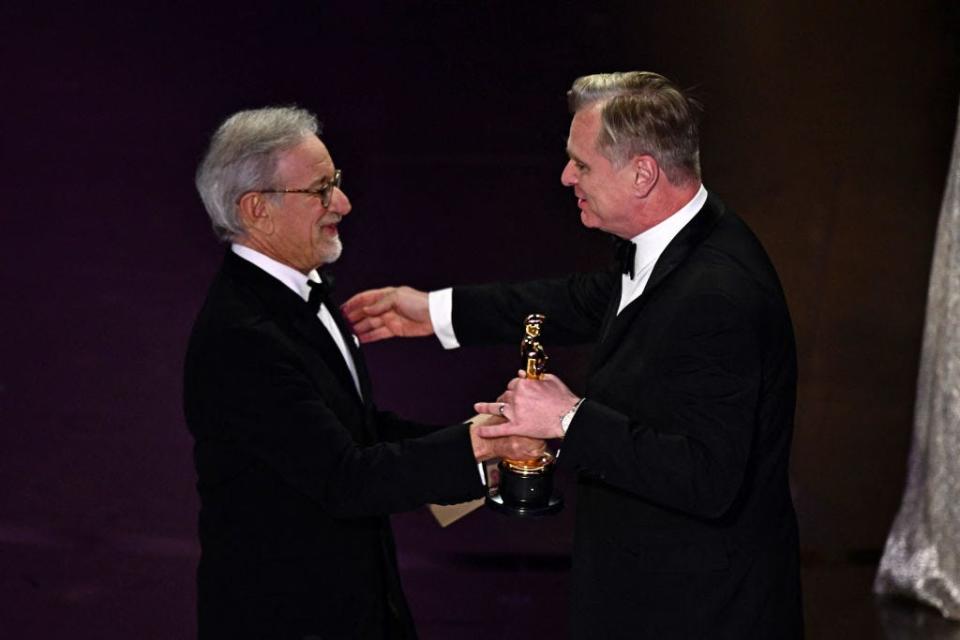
(685, 526)
(297, 469)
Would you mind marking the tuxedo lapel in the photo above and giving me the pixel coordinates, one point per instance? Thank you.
(682, 245)
(362, 373)
(310, 327)
(611, 314)
(689, 238)
(313, 331)
(292, 311)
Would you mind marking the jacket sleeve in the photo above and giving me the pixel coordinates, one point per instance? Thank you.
(691, 454)
(494, 313)
(392, 427)
(261, 401)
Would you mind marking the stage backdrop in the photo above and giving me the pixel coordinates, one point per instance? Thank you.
(827, 127)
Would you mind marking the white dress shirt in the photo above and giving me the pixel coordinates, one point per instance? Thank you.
(650, 245)
(297, 282)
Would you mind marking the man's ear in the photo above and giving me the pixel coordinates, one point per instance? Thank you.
(254, 213)
(647, 174)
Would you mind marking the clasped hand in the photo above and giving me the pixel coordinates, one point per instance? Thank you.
(513, 447)
(532, 408)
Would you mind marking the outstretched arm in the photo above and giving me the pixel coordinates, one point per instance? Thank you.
(391, 312)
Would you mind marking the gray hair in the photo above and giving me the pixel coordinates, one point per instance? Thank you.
(242, 157)
(643, 113)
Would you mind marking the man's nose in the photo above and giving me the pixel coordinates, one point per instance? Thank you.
(339, 202)
(569, 174)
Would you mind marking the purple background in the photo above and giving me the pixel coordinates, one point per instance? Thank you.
(828, 128)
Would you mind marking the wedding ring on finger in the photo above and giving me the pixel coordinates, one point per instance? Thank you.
(500, 410)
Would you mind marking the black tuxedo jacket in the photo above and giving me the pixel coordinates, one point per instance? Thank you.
(685, 527)
(297, 473)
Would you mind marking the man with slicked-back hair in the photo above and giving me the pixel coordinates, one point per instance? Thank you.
(685, 527)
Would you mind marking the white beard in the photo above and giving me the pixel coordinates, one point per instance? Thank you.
(333, 250)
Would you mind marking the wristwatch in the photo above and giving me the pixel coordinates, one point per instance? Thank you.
(567, 418)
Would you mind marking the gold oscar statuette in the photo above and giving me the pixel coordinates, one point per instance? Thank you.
(526, 486)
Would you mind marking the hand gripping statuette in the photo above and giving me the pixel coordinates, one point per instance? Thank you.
(526, 486)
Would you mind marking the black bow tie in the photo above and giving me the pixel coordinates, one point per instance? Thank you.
(626, 256)
(320, 292)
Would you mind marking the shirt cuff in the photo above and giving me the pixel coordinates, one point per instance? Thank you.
(441, 317)
(567, 418)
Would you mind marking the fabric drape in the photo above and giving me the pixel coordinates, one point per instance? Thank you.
(922, 555)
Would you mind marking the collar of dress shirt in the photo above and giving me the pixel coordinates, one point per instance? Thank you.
(652, 242)
(293, 279)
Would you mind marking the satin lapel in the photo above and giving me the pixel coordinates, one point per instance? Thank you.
(689, 238)
(363, 375)
(608, 319)
(310, 327)
(292, 309)
(366, 390)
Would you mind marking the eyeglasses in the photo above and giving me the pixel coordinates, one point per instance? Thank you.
(325, 193)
